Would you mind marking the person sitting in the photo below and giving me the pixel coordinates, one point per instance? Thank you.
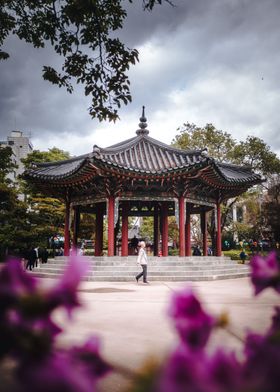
(134, 244)
(196, 251)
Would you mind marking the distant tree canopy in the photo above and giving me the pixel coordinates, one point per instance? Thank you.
(31, 221)
(37, 156)
(218, 143)
(221, 146)
(254, 152)
(84, 33)
(47, 212)
(6, 163)
(14, 222)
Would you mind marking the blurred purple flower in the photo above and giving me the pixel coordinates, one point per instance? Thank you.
(73, 370)
(26, 326)
(265, 272)
(89, 354)
(65, 292)
(184, 370)
(57, 372)
(14, 283)
(192, 323)
(188, 370)
(262, 365)
(224, 372)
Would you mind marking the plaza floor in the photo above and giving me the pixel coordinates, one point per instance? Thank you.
(132, 323)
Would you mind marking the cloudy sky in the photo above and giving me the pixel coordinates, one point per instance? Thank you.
(202, 61)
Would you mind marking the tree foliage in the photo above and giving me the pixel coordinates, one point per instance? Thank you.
(221, 146)
(218, 143)
(47, 213)
(256, 153)
(14, 219)
(37, 156)
(253, 152)
(6, 163)
(271, 207)
(87, 226)
(84, 33)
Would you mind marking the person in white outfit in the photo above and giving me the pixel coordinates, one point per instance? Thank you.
(143, 261)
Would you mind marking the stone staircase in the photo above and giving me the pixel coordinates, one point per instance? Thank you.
(117, 269)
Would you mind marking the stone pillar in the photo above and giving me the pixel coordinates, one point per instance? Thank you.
(66, 229)
(156, 231)
(182, 244)
(188, 230)
(124, 228)
(98, 232)
(164, 220)
(76, 225)
(219, 234)
(111, 226)
(203, 225)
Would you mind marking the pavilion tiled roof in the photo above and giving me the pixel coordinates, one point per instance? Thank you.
(144, 155)
(147, 155)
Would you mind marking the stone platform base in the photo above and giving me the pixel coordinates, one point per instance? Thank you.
(172, 268)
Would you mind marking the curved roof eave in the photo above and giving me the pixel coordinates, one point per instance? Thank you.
(65, 170)
(237, 174)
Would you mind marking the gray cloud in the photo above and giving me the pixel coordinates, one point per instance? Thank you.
(201, 61)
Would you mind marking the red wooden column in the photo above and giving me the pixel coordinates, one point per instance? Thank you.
(156, 232)
(219, 234)
(98, 232)
(182, 244)
(164, 220)
(203, 225)
(66, 229)
(111, 226)
(124, 229)
(188, 230)
(76, 225)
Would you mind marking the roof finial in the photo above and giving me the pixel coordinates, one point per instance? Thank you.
(143, 124)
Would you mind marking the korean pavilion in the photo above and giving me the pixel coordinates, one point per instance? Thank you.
(142, 176)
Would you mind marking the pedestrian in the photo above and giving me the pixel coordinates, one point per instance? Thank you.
(37, 251)
(143, 261)
(243, 256)
(31, 258)
(44, 255)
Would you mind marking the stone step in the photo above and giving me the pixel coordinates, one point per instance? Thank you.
(114, 259)
(150, 263)
(121, 274)
(183, 278)
(93, 265)
(132, 269)
(167, 269)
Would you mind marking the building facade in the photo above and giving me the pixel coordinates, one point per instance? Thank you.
(21, 146)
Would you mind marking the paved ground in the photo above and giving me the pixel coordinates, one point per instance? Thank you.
(131, 319)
